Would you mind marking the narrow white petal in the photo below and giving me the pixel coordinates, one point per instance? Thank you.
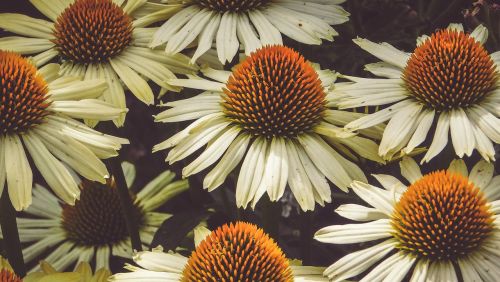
(356, 263)
(462, 135)
(390, 183)
(359, 213)
(52, 170)
(268, 33)
(482, 173)
(251, 172)
(18, 172)
(27, 26)
(212, 153)
(410, 169)
(458, 166)
(399, 128)
(299, 182)
(207, 36)
(390, 269)
(275, 175)
(384, 51)
(355, 233)
(137, 85)
(420, 271)
(424, 124)
(317, 149)
(380, 199)
(480, 33)
(226, 40)
(24, 45)
(51, 9)
(441, 271)
(188, 32)
(229, 161)
(468, 271)
(440, 137)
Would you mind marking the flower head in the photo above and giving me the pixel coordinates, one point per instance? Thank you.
(449, 76)
(254, 23)
(441, 220)
(94, 226)
(277, 105)
(98, 39)
(37, 116)
(233, 252)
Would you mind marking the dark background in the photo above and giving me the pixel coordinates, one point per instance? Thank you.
(398, 22)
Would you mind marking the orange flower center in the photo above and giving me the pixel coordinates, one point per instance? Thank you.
(92, 31)
(23, 94)
(8, 276)
(232, 5)
(275, 92)
(96, 219)
(237, 252)
(442, 216)
(449, 70)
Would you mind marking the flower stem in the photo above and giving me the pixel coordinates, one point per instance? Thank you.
(12, 244)
(126, 202)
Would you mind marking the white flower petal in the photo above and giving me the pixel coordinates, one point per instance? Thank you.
(390, 183)
(356, 263)
(459, 166)
(420, 271)
(229, 161)
(52, 170)
(137, 85)
(410, 169)
(226, 40)
(299, 182)
(440, 137)
(355, 233)
(380, 199)
(18, 172)
(275, 176)
(27, 26)
(359, 213)
(482, 173)
(207, 36)
(213, 152)
(480, 33)
(462, 135)
(251, 172)
(384, 51)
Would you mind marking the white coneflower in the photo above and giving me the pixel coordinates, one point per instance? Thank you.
(37, 114)
(443, 223)
(94, 227)
(254, 23)
(276, 105)
(98, 39)
(449, 77)
(82, 273)
(233, 252)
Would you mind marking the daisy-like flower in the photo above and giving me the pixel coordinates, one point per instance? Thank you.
(233, 252)
(254, 23)
(98, 39)
(443, 223)
(276, 105)
(449, 77)
(7, 274)
(94, 226)
(37, 112)
(82, 273)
